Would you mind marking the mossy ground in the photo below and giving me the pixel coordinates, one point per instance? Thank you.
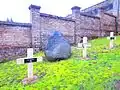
(99, 73)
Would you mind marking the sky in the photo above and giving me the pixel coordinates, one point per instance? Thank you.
(19, 12)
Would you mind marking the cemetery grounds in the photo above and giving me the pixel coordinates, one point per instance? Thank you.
(100, 72)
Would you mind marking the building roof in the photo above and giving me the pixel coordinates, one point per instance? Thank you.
(93, 10)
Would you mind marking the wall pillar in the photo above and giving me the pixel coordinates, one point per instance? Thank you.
(101, 15)
(35, 31)
(76, 17)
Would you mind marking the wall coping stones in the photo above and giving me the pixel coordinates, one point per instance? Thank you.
(88, 15)
(15, 24)
(110, 15)
(56, 17)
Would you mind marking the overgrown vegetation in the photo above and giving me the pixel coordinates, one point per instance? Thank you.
(99, 73)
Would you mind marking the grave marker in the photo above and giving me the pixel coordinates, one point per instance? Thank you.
(29, 60)
(112, 38)
(84, 46)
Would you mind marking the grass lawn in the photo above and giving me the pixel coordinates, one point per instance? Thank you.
(99, 73)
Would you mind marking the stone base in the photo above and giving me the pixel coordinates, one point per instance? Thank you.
(29, 80)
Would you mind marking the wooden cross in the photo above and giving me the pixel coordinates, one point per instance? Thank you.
(29, 60)
(112, 38)
(84, 46)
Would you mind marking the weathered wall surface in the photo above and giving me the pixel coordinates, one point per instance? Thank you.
(108, 24)
(14, 39)
(92, 26)
(89, 27)
(53, 23)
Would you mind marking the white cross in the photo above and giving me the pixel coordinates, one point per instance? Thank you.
(29, 60)
(84, 46)
(112, 38)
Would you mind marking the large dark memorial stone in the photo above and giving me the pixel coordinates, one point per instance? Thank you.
(57, 47)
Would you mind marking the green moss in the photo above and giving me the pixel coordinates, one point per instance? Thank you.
(98, 73)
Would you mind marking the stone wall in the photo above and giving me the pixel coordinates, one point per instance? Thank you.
(92, 26)
(108, 24)
(54, 23)
(43, 24)
(14, 39)
(89, 27)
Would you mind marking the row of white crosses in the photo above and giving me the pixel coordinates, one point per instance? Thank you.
(29, 60)
(86, 45)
